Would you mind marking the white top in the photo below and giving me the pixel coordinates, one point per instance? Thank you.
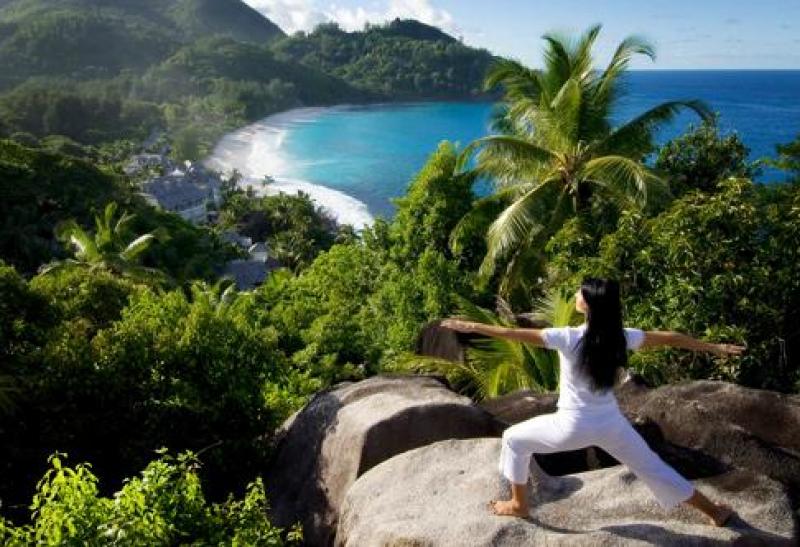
(574, 387)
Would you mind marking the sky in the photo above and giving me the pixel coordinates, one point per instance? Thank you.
(705, 34)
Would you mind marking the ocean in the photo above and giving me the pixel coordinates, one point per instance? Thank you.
(353, 159)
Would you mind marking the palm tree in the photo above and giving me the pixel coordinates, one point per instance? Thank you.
(220, 297)
(107, 248)
(558, 154)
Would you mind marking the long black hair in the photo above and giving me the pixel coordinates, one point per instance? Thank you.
(603, 349)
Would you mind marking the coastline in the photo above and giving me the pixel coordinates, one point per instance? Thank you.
(256, 150)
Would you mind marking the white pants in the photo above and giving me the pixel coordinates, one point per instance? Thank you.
(606, 428)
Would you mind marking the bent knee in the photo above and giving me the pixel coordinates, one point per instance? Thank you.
(513, 440)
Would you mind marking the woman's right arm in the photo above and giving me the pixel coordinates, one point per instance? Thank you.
(531, 336)
(656, 338)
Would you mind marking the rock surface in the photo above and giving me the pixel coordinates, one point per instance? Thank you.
(345, 431)
(437, 495)
(700, 427)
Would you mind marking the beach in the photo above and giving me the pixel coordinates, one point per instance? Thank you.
(257, 150)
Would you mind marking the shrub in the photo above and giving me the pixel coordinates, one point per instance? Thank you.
(722, 266)
(165, 505)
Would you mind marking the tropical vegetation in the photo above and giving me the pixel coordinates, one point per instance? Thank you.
(198, 68)
(165, 505)
(188, 380)
(559, 155)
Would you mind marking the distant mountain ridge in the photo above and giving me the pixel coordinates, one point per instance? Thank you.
(85, 39)
(102, 70)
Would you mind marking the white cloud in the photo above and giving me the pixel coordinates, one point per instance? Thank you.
(294, 15)
(291, 15)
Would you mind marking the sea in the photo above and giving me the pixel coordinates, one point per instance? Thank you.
(353, 159)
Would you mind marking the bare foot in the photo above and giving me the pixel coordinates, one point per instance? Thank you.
(722, 515)
(508, 508)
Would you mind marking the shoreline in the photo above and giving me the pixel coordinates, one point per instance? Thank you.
(257, 149)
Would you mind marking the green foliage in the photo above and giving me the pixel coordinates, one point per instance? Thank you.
(24, 317)
(44, 190)
(496, 366)
(202, 355)
(97, 297)
(168, 369)
(107, 249)
(437, 198)
(97, 73)
(24, 320)
(789, 157)
(223, 17)
(295, 228)
(40, 190)
(407, 298)
(700, 158)
(559, 155)
(65, 42)
(319, 311)
(719, 265)
(401, 60)
(361, 305)
(165, 505)
(87, 112)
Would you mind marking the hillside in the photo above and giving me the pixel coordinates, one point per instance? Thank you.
(100, 71)
(61, 37)
(403, 59)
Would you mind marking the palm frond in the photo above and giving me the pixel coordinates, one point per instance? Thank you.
(556, 309)
(138, 246)
(626, 180)
(640, 128)
(496, 366)
(517, 223)
(582, 62)
(76, 237)
(510, 145)
(514, 77)
(60, 265)
(557, 61)
(122, 223)
(609, 80)
(482, 214)
(567, 105)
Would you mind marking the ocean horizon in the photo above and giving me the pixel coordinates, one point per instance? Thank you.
(353, 159)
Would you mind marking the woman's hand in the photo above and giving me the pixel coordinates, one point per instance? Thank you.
(726, 349)
(458, 325)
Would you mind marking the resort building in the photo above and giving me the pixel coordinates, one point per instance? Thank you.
(188, 193)
(250, 273)
(235, 238)
(172, 193)
(142, 162)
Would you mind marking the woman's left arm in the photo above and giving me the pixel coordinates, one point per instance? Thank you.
(529, 336)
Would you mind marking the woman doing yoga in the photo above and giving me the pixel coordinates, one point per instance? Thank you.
(591, 356)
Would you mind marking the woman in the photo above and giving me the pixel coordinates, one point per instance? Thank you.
(591, 356)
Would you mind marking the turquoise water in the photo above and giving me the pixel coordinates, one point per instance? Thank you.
(371, 153)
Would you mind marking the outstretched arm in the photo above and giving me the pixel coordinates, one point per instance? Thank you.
(530, 336)
(656, 338)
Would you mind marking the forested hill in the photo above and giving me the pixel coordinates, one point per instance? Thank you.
(403, 59)
(104, 70)
(99, 38)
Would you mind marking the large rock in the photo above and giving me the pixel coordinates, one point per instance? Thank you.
(742, 427)
(345, 431)
(700, 427)
(437, 496)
